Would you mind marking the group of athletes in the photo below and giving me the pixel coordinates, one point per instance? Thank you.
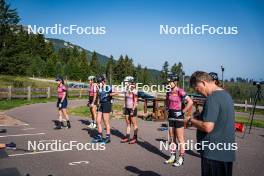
(100, 104)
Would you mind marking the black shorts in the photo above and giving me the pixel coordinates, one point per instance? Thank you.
(127, 111)
(216, 168)
(175, 123)
(91, 100)
(105, 107)
(64, 103)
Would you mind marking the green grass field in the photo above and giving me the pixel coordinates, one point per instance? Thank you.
(22, 82)
(83, 111)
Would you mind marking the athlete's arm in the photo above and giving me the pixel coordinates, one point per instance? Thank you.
(114, 93)
(94, 97)
(63, 97)
(188, 105)
(135, 103)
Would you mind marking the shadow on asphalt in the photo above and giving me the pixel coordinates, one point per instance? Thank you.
(10, 172)
(116, 133)
(92, 132)
(85, 122)
(151, 148)
(56, 122)
(140, 172)
(3, 154)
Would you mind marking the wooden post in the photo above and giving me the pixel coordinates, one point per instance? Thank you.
(80, 93)
(29, 93)
(9, 96)
(246, 105)
(145, 106)
(48, 92)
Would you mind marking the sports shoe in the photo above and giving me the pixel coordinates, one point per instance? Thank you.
(97, 140)
(2, 130)
(68, 124)
(171, 160)
(179, 162)
(133, 141)
(11, 145)
(94, 125)
(125, 139)
(91, 125)
(106, 140)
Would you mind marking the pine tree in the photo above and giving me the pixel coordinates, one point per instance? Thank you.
(164, 71)
(95, 65)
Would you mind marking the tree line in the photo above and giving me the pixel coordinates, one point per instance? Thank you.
(27, 54)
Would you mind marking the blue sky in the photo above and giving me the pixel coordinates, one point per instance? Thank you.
(132, 28)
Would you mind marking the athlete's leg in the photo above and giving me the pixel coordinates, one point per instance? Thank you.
(128, 128)
(107, 122)
(180, 138)
(106, 119)
(99, 122)
(134, 122)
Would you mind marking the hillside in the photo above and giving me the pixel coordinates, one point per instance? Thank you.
(58, 43)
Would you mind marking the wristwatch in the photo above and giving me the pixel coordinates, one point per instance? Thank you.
(189, 121)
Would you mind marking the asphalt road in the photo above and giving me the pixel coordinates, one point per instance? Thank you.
(144, 158)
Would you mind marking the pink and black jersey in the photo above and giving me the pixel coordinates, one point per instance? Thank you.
(92, 89)
(61, 89)
(174, 99)
(130, 99)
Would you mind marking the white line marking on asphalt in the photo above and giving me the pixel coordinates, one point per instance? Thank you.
(78, 162)
(33, 153)
(16, 135)
(28, 129)
(25, 124)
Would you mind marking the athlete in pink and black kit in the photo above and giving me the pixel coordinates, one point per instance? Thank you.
(174, 100)
(62, 103)
(92, 100)
(130, 110)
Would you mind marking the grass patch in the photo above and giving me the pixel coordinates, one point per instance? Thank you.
(23, 81)
(82, 111)
(258, 111)
(9, 104)
(256, 122)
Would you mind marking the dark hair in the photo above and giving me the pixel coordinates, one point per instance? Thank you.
(199, 76)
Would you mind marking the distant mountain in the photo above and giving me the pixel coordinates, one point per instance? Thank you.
(58, 43)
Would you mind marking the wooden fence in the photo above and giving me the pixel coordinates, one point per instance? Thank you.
(29, 92)
(48, 92)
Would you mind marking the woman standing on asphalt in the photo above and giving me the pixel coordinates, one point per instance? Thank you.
(92, 100)
(130, 110)
(62, 104)
(174, 100)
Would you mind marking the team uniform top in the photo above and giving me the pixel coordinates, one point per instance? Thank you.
(61, 89)
(174, 99)
(130, 99)
(104, 94)
(92, 89)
